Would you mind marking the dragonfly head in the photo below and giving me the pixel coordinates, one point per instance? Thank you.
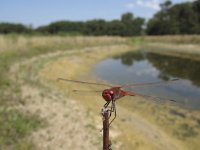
(108, 95)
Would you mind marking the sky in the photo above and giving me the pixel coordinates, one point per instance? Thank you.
(43, 12)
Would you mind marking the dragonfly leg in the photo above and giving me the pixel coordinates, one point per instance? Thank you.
(106, 104)
(113, 109)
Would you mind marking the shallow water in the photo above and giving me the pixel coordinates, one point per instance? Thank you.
(141, 66)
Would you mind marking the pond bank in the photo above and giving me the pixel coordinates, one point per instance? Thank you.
(135, 128)
(190, 51)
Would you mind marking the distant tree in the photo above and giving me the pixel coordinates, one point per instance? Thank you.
(64, 26)
(138, 26)
(127, 26)
(95, 27)
(160, 23)
(127, 17)
(196, 8)
(6, 28)
(114, 27)
(132, 26)
(42, 29)
(176, 19)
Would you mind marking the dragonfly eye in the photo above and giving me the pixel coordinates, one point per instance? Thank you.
(107, 95)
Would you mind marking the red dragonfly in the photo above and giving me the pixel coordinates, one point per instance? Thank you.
(114, 93)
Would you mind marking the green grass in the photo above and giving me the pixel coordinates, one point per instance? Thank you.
(14, 127)
(185, 131)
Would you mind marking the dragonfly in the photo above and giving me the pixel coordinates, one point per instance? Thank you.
(115, 92)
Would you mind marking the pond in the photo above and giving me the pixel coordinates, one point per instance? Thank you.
(142, 67)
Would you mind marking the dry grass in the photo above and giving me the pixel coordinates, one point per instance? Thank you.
(191, 51)
(177, 39)
(140, 125)
(14, 50)
(25, 43)
(68, 120)
(180, 46)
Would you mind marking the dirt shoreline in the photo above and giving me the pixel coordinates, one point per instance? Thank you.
(190, 51)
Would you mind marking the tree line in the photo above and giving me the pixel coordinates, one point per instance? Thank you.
(127, 26)
(181, 18)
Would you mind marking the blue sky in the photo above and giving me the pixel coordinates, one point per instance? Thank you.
(42, 12)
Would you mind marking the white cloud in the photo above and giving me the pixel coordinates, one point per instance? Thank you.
(130, 5)
(154, 4)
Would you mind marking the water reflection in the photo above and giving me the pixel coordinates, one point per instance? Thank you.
(173, 66)
(135, 67)
(168, 66)
(129, 57)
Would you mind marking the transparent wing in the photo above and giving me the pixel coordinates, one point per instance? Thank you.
(153, 98)
(83, 82)
(150, 83)
(86, 92)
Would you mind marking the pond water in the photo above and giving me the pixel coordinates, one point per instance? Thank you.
(141, 66)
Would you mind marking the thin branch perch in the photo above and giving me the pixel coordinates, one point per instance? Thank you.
(106, 140)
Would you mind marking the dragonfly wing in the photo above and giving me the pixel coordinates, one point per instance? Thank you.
(154, 98)
(86, 92)
(150, 83)
(82, 82)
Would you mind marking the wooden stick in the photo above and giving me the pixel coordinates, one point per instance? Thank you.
(106, 141)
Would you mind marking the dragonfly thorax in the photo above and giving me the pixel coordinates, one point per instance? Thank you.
(108, 94)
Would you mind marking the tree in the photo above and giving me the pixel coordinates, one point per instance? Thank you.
(6, 28)
(127, 17)
(132, 26)
(160, 23)
(196, 8)
(127, 26)
(181, 18)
